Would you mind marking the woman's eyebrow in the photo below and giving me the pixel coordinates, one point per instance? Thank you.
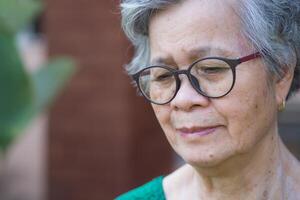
(198, 52)
(204, 51)
(161, 61)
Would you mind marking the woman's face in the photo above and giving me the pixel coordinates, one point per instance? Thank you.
(207, 131)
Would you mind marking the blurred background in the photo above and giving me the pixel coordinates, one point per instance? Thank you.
(78, 130)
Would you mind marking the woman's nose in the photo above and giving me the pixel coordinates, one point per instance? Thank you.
(188, 98)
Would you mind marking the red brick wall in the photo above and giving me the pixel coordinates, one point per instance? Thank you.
(103, 139)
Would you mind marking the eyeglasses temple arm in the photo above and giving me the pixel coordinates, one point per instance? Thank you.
(250, 57)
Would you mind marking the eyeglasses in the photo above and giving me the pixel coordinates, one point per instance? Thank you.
(212, 77)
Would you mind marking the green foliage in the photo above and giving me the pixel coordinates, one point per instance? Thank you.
(16, 90)
(16, 14)
(12, 78)
(49, 80)
(23, 96)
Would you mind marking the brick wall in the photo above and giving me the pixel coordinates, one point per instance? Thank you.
(103, 139)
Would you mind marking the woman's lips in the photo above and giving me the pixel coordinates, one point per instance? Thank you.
(197, 131)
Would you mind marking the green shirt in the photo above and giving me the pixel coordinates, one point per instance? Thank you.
(152, 190)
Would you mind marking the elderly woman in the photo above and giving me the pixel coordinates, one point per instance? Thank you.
(217, 73)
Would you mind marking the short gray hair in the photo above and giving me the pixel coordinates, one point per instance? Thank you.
(272, 26)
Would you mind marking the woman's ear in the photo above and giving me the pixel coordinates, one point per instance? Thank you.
(283, 85)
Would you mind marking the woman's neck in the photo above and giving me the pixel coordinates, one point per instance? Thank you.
(259, 175)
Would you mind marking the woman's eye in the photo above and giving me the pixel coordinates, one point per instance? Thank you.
(213, 70)
(163, 77)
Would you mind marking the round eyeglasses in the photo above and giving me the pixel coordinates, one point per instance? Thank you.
(212, 77)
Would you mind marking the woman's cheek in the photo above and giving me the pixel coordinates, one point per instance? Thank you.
(162, 114)
(249, 124)
(239, 109)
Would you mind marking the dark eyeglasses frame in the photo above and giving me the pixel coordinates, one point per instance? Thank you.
(233, 63)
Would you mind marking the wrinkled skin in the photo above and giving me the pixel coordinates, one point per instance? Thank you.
(242, 157)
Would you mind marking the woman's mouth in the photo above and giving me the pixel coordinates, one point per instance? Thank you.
(197, 131)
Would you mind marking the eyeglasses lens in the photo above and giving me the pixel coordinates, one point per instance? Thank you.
(215, 77)
(210, 77)
(158, 84)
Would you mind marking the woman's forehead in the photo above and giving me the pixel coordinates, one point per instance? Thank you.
(196, 28)
(210, 8)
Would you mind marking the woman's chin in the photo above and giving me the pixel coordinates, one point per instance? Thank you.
(205, 160)
(204, 163)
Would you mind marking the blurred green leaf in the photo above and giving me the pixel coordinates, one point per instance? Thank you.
(16, 14)
(23, 96)
(16, 89)
(28, 97)
(49, 80)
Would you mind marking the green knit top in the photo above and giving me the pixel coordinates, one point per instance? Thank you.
(152, 190)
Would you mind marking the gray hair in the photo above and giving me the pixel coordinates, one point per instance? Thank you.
(272, 26)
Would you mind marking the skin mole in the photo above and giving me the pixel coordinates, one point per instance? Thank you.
(265, 194)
